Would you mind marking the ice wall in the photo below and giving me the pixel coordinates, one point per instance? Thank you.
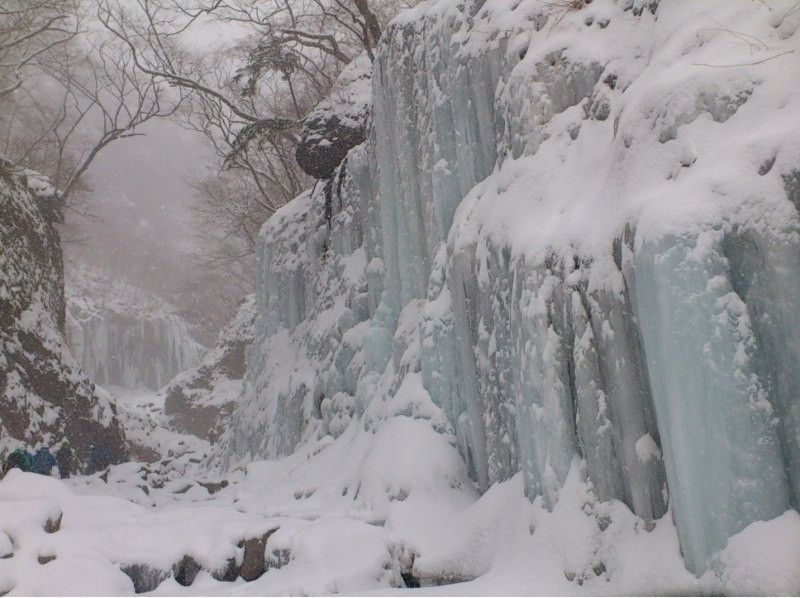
(123, 336)
(566, 237)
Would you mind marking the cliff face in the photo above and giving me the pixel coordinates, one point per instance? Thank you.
(571, 239)
(44, 396)
(200, 400)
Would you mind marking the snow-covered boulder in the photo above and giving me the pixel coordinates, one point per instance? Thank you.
(123, 335)
(110, 546)
(338, 123)
(572, 234)
(44, 395)
(200, 400)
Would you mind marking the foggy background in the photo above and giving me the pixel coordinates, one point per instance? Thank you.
(136, 222)
(161, 206)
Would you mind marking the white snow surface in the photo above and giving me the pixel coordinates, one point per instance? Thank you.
(354, 513)
(351, 95)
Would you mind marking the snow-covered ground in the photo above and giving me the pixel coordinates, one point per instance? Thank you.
(351, 515)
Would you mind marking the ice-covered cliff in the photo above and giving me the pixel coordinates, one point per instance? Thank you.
(124, 336)
(570, 240)
(45, 398)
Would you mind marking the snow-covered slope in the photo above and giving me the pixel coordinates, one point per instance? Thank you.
(569, 247)
(124, 336)
(45, 398)
(199, 401)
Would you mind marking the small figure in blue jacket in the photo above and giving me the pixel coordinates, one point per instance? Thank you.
(43, 461)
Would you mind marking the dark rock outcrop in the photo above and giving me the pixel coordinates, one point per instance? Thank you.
(186, 570)
(45, 558)
(251, 564)
(44, 396)
(254, 561)
(199, 401)
(53, 523)
(144, 577)
(338, 123)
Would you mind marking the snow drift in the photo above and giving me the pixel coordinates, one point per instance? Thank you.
(572, 233)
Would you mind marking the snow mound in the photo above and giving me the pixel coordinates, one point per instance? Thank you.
(328, 520)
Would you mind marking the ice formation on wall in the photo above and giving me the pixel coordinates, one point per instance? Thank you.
(124, 336)
(566, 237)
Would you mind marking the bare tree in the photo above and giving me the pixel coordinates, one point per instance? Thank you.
(65, 95)
(250, 97)
(29, 31)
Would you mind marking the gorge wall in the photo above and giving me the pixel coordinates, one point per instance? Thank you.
(200, 400)
(572, 233)
(45, 398)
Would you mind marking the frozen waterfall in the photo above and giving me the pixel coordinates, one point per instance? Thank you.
(123, 336)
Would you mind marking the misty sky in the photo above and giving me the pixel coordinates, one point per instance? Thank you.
(140, 195)
(142, 226)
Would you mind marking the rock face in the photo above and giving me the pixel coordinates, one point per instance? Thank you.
(338, 123)
(44, 396)
(254, 560)
(124, 336)
(200, 400)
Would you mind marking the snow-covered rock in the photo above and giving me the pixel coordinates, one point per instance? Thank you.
(45, 398)
(149, 432)
(572, 233)
(200, 400)
(124, 336)
(338, 123)
(107, 545)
